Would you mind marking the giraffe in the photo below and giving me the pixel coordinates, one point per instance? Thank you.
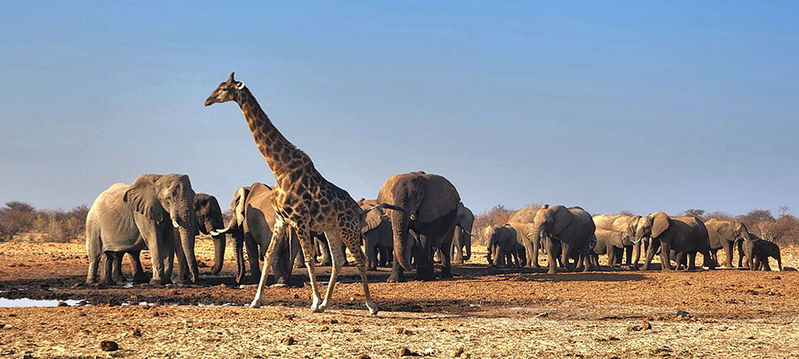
(302, 198)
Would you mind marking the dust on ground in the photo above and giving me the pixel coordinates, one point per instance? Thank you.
(482, 313)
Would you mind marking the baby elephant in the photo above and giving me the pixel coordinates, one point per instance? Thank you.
(504, 248)
(758, 250)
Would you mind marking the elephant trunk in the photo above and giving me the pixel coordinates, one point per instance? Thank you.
(399, 225)
(219, 253)
(186, 220)
(468, 242)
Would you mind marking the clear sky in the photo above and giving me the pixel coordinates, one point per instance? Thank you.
(611, 105)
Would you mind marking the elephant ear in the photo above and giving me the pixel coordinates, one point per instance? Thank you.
(142, 197)
(660, 223)
(373, 218)
(437, 197)
(237, 205)
(563, 217)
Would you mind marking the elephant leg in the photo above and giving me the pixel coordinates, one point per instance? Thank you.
(709, 262)
(766, 267)
(138, 271)
(282, 265)
(241, 268)
(550, 246)
(108, 264)
(665, 253)
(565, 250)
(650, 253)
(692, 261)
(740, 245)
(396, 275)
(371, 257)
(628, 251)
(455, 248)
(533, 256)
(424, 259)
(253, 254)
(728, 247)
(116, 267)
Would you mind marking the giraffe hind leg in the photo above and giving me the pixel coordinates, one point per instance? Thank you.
(352, 237)
(306, 243)
(337, 261)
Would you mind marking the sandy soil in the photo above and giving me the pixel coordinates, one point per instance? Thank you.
(481, 313)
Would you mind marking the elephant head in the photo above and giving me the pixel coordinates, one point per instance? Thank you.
(168, 198)
(551, 221)
(652, 226)
(209, 220)
(463, 236)
(423, 199)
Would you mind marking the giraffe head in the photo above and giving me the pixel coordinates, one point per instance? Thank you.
(226, 91)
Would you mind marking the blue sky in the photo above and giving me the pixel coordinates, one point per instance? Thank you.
(617, 105)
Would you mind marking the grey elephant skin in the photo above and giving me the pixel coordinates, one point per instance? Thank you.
(377, 235)
(757, 252)
(462, 240)
(680, 237)
(209, 220)
(251, 227)
(154, 212)
(572, 227)
(504, 248)
(429, 207)
(523, 222)
(727, 235)
(615, 235)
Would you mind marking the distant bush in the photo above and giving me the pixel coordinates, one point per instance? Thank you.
(18, 218)
(496, 216)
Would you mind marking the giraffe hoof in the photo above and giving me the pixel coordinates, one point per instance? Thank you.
(317, 309)
(373, 310)
(255, 304)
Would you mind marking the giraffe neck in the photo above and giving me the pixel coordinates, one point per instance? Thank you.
(281, 155)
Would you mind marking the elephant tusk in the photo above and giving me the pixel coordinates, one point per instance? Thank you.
(175, 223)
(217, 232)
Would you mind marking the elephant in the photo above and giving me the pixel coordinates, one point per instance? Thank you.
(622, 239)
(462, 241)
(726, 234)
(251, 227)
(377, 233)
(209, 219)
(154, 212)
(429, 207)
(522, 221)
(504, 248)
(758, 250)
(684, 235)
(573, 227)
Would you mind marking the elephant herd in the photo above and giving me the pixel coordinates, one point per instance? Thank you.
(571, 233)
(415, 217)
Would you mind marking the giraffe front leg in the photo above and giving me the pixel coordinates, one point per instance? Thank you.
(278, 230)
(306, 243)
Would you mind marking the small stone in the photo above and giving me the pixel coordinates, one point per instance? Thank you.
(109, 346)
(333, 321)
(429, 351)
(542, 315)
(363, 356)
(63, 304)
(82, 314)
(404, 352)
(457, 353)
(296, 296)
(682, 313)
(289, 340)
(2, 325)
(356, 330)
(136, 332)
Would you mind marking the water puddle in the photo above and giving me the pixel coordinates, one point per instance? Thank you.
(37, 303)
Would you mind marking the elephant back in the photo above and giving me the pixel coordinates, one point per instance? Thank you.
(524, 215)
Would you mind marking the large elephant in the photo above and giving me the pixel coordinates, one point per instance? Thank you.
(154, 212)
(726, 234)
(622, 239)
(573, 227)
(522, 221)
(758, 251)
(462, 241)
(429, 207)
(251, 226)
(684, 235)
(209, 220)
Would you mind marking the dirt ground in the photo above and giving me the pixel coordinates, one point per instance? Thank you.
(482, 313)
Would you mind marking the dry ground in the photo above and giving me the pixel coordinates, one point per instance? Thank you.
(488, 313)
